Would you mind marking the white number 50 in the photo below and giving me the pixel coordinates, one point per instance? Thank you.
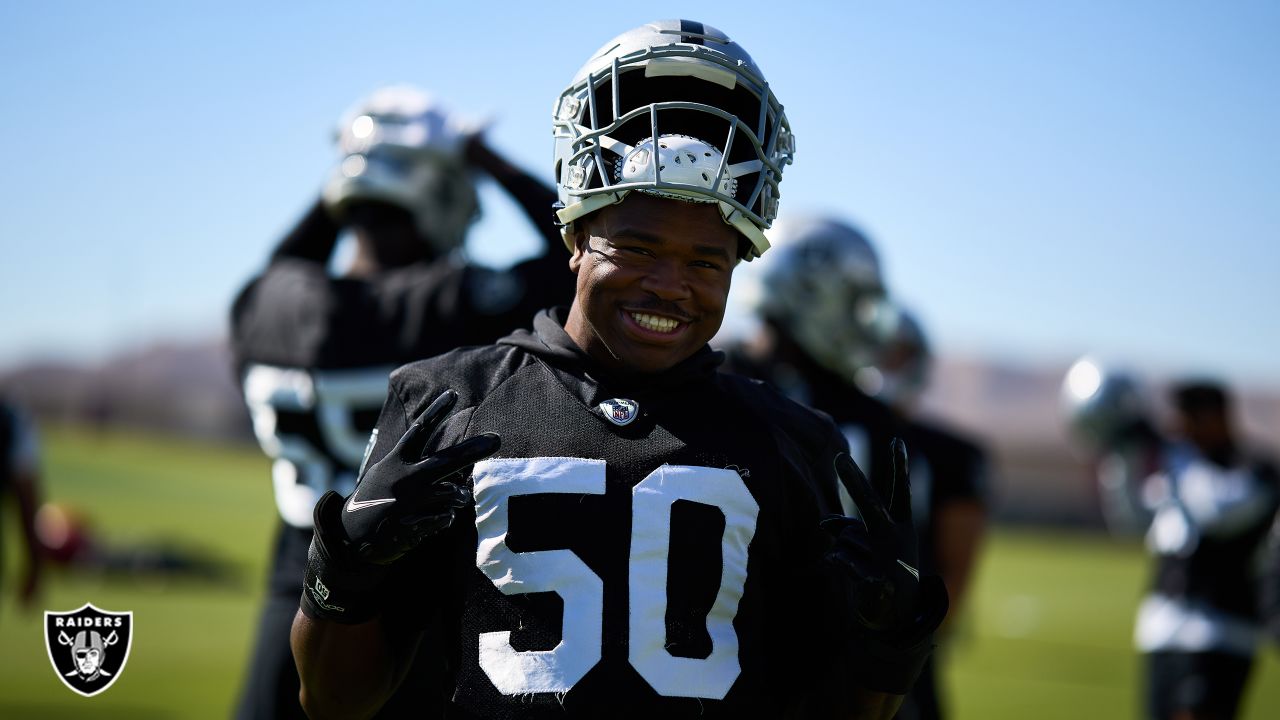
(562, 572)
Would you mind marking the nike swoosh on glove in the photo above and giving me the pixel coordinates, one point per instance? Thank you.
(401, 500)
(405, 497)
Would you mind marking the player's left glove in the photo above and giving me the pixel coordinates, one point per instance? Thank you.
(892, 608)
(399, 502)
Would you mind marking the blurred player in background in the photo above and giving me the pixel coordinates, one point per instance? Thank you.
(825, 316)
(20, 477)
(1109, 419)
(949, 478)
(313, 350)
(1205, 503)
(70, 541)
(831, 340)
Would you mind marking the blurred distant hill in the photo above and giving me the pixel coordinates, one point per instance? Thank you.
(189, 389)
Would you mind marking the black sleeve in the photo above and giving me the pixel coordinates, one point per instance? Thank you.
(535, 197)
(313, 238)
(253, 325)
(545, 278)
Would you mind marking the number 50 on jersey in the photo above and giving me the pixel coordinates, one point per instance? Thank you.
(582, 590)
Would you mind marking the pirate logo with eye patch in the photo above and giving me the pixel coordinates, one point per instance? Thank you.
(88, 647)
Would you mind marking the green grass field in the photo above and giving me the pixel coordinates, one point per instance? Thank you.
(1046, 635)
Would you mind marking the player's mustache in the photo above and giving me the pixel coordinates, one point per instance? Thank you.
(661, 307)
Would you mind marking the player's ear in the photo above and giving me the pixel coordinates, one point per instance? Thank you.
(577, 234)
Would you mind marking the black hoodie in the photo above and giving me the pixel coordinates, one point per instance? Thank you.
(641, 544)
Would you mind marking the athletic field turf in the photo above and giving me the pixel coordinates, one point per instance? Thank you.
(1046, 634)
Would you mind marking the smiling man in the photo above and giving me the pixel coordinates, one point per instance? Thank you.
(653, 277)
(587, 519)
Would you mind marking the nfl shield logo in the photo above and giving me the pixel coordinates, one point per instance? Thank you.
(619, 411)
(88, 647)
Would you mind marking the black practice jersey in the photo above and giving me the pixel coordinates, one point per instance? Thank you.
(313, 351)
(945, 466)
(639, 547)
(868, 425)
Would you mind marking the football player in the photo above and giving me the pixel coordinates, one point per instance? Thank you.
(824, 316)
(949, 478)
(1206, 503)
(829, 338)
(20, 476)
(314, 350)
(586, 519)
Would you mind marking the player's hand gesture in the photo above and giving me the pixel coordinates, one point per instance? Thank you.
(405, 497)
(398, 502)
(877, 554)
(889, 608)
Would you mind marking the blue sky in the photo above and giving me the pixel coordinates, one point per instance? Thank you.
(1042, 179)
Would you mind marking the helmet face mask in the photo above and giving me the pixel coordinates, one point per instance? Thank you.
(397, 147)
(686, 84)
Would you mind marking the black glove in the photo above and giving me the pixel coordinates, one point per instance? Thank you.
(398, 502)
(892, 609)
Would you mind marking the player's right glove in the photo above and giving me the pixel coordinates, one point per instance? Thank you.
(891, 608)
(398, 502)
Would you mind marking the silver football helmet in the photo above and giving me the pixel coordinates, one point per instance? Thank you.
(822, 286)
(677, 109)
(1099, 403)
(401, 147)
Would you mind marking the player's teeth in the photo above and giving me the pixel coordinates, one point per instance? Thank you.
(654, 323)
